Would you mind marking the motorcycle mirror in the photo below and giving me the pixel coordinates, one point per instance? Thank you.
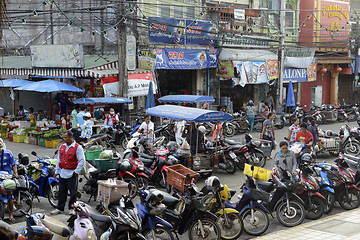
(188, 176)
(34, 153)
(56, 152)
(286, 138)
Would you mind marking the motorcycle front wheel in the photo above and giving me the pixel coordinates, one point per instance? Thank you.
(352, 148)
(158, 233)
(52, 194)
(211, 230)
(292, 216)
(230, 166)
(134, 186)
(229, 130)
(350, 199)
(329, 201)
(256, 221)
(231, 229)
(316, 209)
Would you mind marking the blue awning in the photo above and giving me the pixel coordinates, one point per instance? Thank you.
(188, 114)
(13, 82)
(186, 99)
(102, 100)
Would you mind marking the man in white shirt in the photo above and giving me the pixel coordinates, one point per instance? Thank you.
(147, 130)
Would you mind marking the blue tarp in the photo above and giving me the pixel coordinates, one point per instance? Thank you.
(103, 100)
(290, 100)
(188, 114)
(186, 99)
(13, 82)
(49, 86)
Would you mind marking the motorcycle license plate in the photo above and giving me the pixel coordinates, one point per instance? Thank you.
(247, 155)
(232, 155)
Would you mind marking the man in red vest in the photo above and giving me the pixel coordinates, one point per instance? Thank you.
(70, 160)
(111, 119)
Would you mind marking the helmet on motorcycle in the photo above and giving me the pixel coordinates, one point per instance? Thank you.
(23, 158)
(297, 104)
(306, 158)
(225, 192)
(9, 185)
(2, 144)
(88, 115)
(328, 133)
(202, 129)
(250, 102)
(212, 182)
(125, 165)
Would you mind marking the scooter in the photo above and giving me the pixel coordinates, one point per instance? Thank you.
(42, 182)
(41, 226)
(22, 196)
(81, 223)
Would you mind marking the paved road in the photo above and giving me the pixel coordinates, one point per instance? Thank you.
(234, 181)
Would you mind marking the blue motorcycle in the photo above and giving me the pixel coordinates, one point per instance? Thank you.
(153, 227)
(42, 182)
(323, 170)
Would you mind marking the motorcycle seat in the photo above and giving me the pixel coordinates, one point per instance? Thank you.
(236, 147)
(147, 162)
(56, 226)
(147, 156)
(168, 199)
(231, 142)
(101, 218)
(266, 186)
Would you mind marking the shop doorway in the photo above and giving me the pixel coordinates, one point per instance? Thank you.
(177, 81)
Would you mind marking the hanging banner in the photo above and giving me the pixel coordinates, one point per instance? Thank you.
(138, 85)
(251, 72)
(225, 69)
(311, 72)
(147, 60)
(295, 75)
(272, 69)
(298, 57)
(167, 58)
(259, 72)
(166, 30)
(181, 31)
(200, 32)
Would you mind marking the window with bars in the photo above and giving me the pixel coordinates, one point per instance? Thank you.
(178, 12)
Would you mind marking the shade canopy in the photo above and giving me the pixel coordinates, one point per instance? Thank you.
(150, 100)
(102, 100)
(188, 113)
(186, 99)
(290, 100)
(49, 86)
(13, 82)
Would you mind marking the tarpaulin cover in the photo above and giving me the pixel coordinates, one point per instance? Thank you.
(49, 86)
(186, 99)
(13, 82)
(102, 100)
(188, 114)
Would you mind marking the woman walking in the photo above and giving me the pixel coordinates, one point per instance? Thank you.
(250, 112)
(268, 131)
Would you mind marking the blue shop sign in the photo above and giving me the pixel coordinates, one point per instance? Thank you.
(181, 31)
(168, 58)
(295, 75)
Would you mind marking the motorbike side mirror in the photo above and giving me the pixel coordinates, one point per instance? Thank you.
(286, 138)
(188, 177)
(56, 152)
(34, 153)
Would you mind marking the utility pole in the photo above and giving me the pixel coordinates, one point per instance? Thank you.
(121, 42)
(281, 54)
(356, 80)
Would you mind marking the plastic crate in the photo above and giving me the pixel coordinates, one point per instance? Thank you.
(109, 193)
(33, 140)
(11, 137)
(92, 154)
(26, 140)
(176, 176)
(259, 173)
(4, 134)
(52, 143)
(105, 164)
(41, 142)
(19, 138)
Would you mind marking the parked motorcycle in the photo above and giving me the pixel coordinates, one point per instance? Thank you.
(81, 224)
(42, 182)
(7, 186)
(41, 226)
(249, 152)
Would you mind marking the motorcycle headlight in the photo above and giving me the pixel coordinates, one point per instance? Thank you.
(90, 235)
